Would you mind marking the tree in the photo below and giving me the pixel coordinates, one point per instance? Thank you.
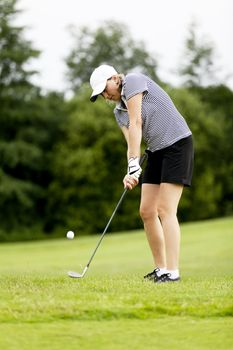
(111, 44)
(15, 88)
(15, 52)
(29, 127)
(197, 68)
(212, 166)
(219, 99)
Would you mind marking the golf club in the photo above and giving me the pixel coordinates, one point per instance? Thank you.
(73, 274)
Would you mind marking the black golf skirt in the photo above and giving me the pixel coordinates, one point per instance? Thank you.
(173, 164)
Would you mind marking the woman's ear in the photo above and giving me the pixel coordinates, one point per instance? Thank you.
(116, 79)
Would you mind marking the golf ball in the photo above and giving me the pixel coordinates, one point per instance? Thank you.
(70, 235)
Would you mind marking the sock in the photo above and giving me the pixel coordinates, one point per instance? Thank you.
(174, 274)
(162, 271)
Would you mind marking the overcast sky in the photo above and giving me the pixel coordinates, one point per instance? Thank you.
(162, 25)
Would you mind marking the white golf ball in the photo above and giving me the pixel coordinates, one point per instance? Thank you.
(70, 235)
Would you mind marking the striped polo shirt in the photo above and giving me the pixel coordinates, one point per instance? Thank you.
(162, 124)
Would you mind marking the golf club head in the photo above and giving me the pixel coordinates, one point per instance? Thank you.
(73, 274)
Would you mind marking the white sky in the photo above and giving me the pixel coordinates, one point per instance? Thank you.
(161, 24)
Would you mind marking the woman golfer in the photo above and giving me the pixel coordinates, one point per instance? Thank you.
(144, 110)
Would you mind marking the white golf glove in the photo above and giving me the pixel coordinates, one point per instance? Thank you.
(134, 168)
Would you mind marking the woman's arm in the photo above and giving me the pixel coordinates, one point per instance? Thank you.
(133, 136)
(125, 131)
(134, 105)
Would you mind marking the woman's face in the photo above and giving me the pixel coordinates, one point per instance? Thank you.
(112, 92)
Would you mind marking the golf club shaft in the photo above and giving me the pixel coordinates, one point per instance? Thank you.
(142, 159)
(109, 222)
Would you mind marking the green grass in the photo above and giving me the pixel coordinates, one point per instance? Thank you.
(112, 307)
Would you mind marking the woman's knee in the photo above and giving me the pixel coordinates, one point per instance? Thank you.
(147, 213)
(165, 211)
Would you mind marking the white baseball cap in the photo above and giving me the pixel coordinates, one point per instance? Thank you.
(98, 79)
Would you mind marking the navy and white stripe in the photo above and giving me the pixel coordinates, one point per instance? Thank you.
(162, 124)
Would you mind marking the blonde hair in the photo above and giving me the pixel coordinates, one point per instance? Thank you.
(121, 76)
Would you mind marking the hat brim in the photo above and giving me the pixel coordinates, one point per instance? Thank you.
(98, 90)
(93, 98)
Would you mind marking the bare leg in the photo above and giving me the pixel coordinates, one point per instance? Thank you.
(152, 225)
(169, 197)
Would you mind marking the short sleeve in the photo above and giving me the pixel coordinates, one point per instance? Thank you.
(134, 84)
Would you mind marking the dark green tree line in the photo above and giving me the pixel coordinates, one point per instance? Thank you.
(199, 78)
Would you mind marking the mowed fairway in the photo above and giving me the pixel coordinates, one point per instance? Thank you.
(112, 307)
